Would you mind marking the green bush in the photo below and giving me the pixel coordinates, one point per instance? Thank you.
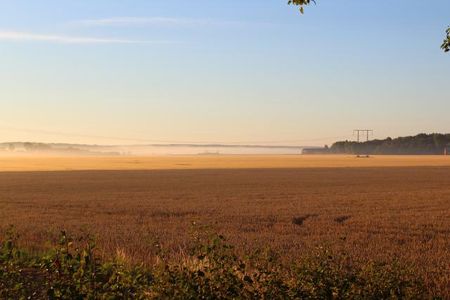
(211, 271)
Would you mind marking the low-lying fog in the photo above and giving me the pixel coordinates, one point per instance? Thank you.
(141, 150)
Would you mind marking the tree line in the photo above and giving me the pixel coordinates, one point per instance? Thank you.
(430, 144)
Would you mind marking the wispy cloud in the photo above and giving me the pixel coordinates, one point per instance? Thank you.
(159, 21)
(18, 36)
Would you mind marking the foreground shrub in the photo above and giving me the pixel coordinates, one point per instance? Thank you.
(67, 272)
(211, 271)
(327, 277)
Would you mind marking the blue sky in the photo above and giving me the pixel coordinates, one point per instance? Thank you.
(254, 71)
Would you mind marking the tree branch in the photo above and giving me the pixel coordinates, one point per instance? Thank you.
(446, 45)
(302, 3)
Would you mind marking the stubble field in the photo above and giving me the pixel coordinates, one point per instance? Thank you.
(377, 208)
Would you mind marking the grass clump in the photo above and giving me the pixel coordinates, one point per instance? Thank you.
(212, 270)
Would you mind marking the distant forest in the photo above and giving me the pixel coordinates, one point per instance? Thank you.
(419, 144)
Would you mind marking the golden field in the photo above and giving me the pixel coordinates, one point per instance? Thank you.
(382, 208)
(71, 163)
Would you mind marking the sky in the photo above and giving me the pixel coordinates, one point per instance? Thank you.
(210, 71)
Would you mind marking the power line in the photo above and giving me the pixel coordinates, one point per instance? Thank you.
(142, 140)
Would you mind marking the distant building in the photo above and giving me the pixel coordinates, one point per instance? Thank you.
(315, 150)
(17, 147)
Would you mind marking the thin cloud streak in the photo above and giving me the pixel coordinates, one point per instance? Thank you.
(159, 21)
(17, 36)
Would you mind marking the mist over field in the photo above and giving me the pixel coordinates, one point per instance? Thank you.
(24, 149)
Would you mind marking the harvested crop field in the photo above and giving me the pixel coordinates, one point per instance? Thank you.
(194, 162)
(375, 212)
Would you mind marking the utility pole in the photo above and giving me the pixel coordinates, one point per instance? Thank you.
(361, 131)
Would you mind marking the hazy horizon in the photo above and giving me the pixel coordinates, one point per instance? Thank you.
(234, 72)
